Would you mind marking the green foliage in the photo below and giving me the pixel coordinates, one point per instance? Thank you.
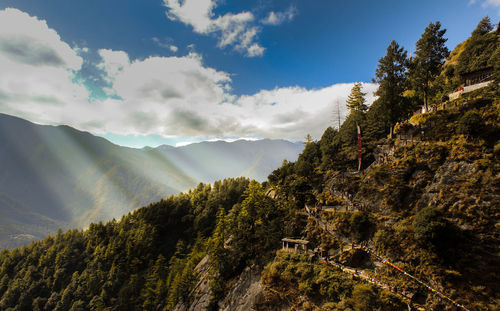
(348, 134)
(356, 100)
(362, 225)
(483, 27)
(309, 159)
(329, 145)
(469, 124)
(429, 225)
(430, 55)
(145, 260)
(364, 297)
(392, 75)
(256, 228)
(248, 234)
(308, 284)
(299, 276)
(478, 53)
(378, 121)
(419, 200)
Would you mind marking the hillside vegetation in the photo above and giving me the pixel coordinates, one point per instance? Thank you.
(427, 201)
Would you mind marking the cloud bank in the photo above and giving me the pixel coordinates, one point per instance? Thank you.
(237, 30)
(176, 96)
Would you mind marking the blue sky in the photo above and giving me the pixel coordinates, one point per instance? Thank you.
(150, 72)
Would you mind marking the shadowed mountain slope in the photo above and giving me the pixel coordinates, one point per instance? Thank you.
(57, 176)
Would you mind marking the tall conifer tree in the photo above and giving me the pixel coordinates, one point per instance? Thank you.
(483, 27)
(429, 58)
(391, 76)
(356, 100)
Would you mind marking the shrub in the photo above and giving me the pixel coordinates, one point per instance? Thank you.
(429, 225)
(362, 225)
(469, 124)
(364, 297)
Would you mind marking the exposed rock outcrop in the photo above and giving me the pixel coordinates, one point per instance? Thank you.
(449, 174)
(246, 292)
(201, 295)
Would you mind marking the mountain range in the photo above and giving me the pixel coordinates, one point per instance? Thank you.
(58, 177)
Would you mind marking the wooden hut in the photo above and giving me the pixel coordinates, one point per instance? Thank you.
(478, 76)
(295, 245)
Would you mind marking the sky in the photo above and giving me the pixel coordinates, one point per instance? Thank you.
(152, 72)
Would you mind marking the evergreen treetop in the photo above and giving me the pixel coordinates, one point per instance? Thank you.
(483, 27)
(391, 76)
(356, 100)
(430, 56)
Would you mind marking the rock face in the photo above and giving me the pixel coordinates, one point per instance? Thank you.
(449, 174)
(201, 294)
(246, 293)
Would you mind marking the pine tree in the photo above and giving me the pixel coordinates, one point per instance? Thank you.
(479, 49)
(154, 289)
(308, 139)
(392, 76)
(429, 58)
(356, 100)
(483, 27)
(217, 251)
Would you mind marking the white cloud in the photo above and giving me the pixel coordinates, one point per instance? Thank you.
(197, 13)
(37, 69)
(113, 62)
(179, 96)
(488, 3)
(165, 44)
(232, 29)
(28, 40)
(278, 18)
(294, 111)
(173, 48)
(255, 50)
(167, 96)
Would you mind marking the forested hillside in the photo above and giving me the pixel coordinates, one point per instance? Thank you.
(416, 227)
(136, 262)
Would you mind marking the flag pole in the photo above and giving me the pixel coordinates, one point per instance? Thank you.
(359, 147)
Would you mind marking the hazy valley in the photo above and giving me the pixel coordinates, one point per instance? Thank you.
(59, 177)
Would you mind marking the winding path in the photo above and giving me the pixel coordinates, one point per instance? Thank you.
(313, 214)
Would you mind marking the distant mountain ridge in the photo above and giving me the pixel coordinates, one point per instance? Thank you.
(57, 176)
(251, 159)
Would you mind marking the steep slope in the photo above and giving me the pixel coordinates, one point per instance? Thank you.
(16, 220)
(71, 178)
(134, 264)
(422, 220)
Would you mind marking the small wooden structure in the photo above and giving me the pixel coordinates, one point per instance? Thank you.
(478, 76)
(295, 245)
(329, 208)
(321, 252)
